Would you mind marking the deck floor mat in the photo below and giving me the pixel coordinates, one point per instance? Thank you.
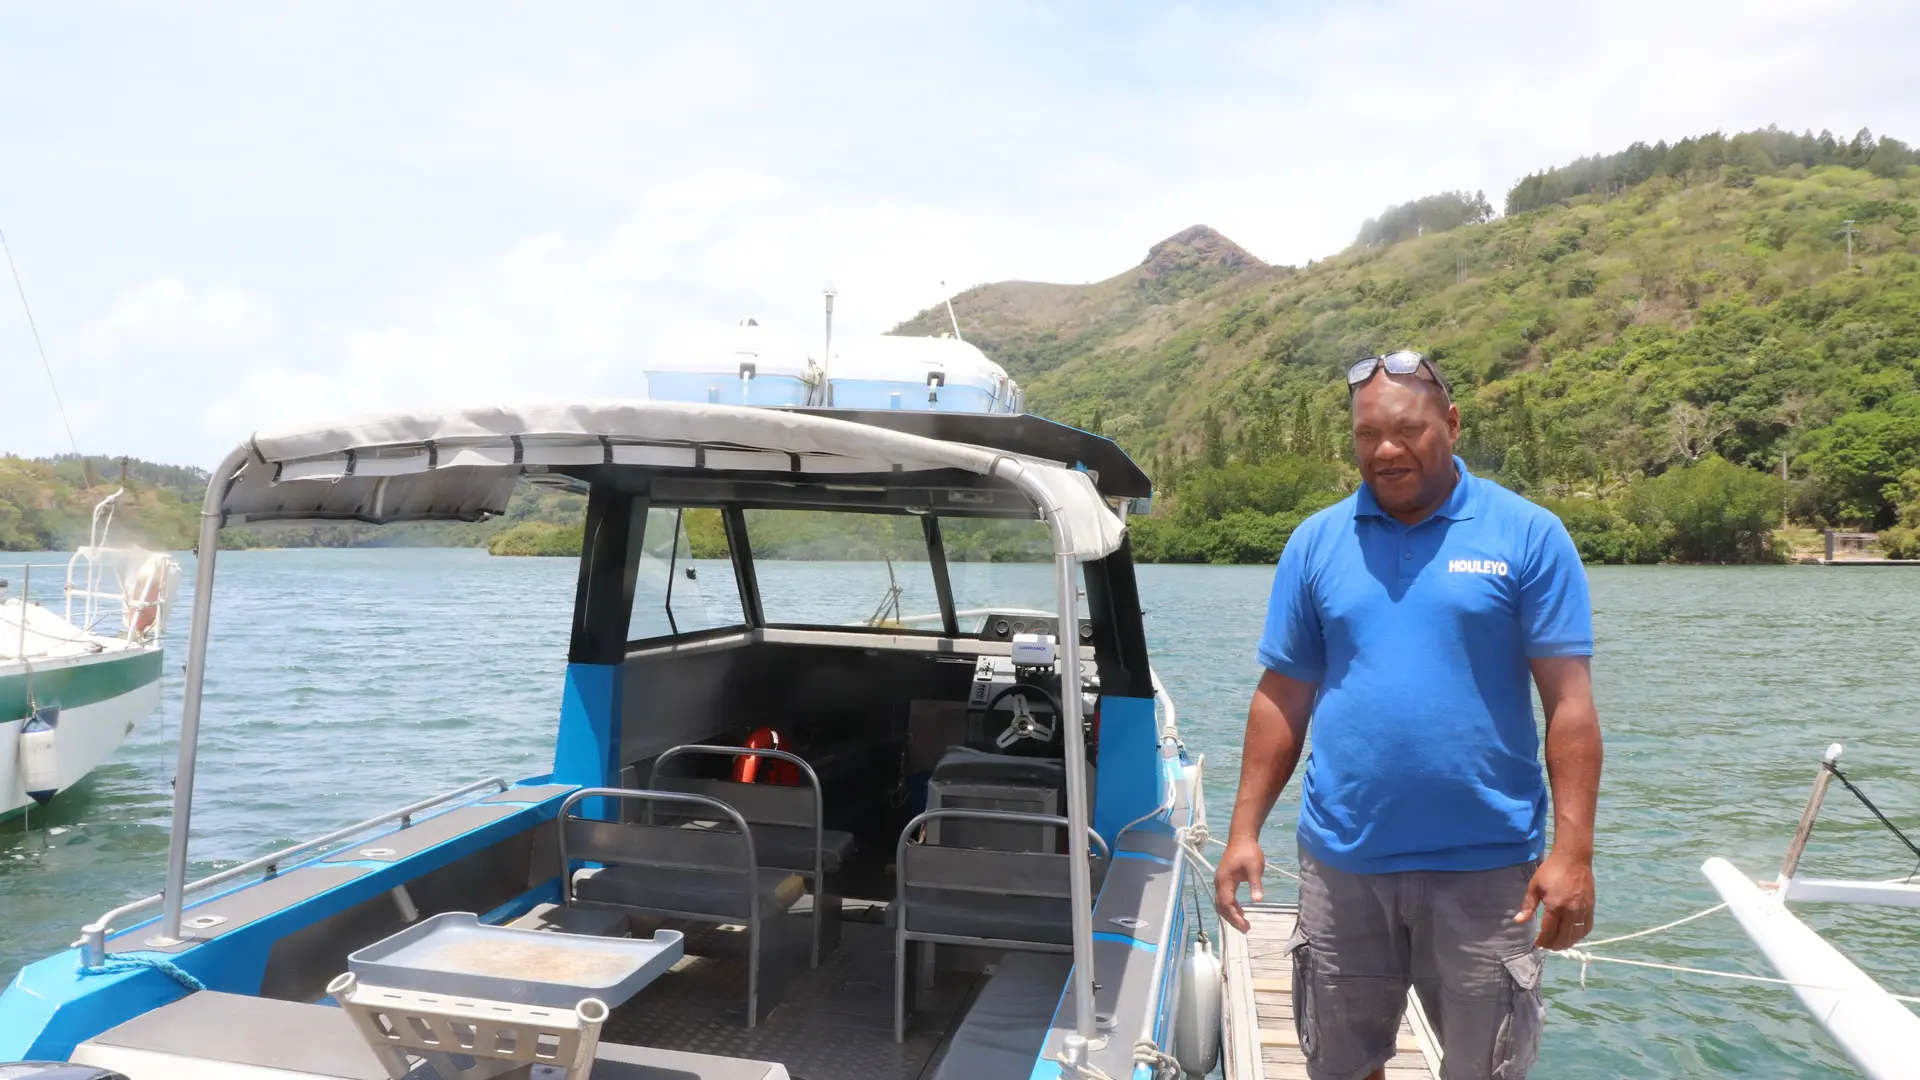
(831, 1024)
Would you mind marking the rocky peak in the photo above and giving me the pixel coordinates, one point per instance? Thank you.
(1196, 248)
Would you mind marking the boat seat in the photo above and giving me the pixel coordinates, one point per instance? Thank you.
(972, 779)
(966, 763)
(706, 872)
(214, 1036)
(1007, 1025)
(209, 1035)
(1017, 900)
(1042, 920)
(783, 819)
(671, 890)
(788, 847)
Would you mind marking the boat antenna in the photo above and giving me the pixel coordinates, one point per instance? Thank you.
(829, 292)
(35, 328)
(951, 316)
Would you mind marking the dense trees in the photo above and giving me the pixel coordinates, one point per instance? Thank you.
(1735, 160)
(1435, 213)
(48, 505)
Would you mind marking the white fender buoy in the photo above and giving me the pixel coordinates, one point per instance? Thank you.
(1196, 1011)
(39, 763)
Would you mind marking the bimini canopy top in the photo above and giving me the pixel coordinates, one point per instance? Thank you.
(461, 465)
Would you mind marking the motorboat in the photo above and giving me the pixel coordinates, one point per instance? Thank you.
(937, 374)
(75, 679)
(747, 364)
(751, 364)
(783, 834)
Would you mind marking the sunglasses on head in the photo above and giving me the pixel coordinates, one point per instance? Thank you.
(1404, 362)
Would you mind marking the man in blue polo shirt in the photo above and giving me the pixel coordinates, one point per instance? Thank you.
(1408, 623)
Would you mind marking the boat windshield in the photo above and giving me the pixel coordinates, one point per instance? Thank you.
(684, 582)
(996, 565)
(832, 568)
(838, 568)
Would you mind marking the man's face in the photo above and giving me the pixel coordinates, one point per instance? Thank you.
(1403, 436)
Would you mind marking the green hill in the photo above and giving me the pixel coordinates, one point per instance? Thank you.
(1647, 341)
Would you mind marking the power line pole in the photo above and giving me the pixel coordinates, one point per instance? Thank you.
(1849, 231)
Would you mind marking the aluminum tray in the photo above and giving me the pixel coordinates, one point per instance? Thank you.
(454, 953)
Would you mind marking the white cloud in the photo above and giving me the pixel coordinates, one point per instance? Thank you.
(556, 318)
(165, 313)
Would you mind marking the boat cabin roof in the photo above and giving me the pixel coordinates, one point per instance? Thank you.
(461, 464)
(897, 358)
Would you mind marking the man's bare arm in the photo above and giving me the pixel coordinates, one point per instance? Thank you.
(1276, 731)
(1563, 886)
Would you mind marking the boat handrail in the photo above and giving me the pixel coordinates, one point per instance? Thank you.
(93, 936)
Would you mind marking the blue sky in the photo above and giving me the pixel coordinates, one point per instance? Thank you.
(233, 217)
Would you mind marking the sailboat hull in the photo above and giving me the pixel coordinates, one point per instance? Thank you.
(97, 700)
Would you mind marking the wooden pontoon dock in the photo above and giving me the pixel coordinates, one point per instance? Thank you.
(1259, 1033)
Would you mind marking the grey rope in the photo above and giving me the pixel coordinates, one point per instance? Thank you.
(1875, 811)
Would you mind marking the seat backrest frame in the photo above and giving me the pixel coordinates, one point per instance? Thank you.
(806, 770)
(750, 869)
(950, 868)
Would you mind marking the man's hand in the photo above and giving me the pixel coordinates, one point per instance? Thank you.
(1241, 862)
(1276, 730)
(1562, 890)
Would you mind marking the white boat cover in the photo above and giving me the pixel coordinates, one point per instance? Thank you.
(461, 464)
(707, 349)
(895, 358)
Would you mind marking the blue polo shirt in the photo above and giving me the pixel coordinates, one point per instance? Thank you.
(1425, 754)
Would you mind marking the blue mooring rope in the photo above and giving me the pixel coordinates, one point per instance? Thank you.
(119, 963)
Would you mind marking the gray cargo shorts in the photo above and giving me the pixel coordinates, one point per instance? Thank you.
(1363, 939)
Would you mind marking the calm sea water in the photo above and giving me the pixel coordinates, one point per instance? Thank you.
(343, 683)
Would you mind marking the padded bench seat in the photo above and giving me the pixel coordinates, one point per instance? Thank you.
(209, 1035)
(1007, 1026)
(666, 889)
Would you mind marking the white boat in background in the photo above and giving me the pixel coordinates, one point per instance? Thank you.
(74, 682)
(935, 374)
(1872, 1026)
(750, 364)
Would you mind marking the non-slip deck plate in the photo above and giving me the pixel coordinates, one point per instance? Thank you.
(832, 1024)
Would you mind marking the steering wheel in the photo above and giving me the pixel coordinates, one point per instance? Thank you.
(1024, 725)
